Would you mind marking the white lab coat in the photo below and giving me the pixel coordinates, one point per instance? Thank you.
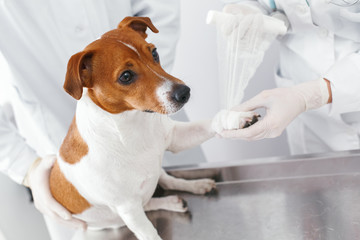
(323, 41)
(37, 39)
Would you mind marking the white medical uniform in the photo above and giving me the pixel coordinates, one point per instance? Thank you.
(323, 41)
(37, 39)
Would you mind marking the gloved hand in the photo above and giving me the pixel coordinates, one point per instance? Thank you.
(37, 178)
(282, 106)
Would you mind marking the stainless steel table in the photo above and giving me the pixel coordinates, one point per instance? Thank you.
(306, 197)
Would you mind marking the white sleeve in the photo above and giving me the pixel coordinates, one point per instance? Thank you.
(165, 16)
(345, 84)
(15, 155)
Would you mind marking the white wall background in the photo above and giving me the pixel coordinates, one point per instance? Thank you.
(196, 65)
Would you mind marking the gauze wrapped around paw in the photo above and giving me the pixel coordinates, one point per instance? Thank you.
(231, 120)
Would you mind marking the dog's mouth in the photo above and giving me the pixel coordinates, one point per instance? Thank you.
(173, 108)
(167, 108)
(148, 111)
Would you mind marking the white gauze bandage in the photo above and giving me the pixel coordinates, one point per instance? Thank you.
(244, 34)
(230, 120)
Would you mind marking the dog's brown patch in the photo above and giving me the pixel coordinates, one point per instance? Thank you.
(65, 193)
(73, 147)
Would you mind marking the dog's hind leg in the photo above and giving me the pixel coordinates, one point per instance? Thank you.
(198, 186)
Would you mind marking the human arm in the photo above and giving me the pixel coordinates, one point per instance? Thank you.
(343, 90)
(16, 156)
(21, 163)
(344, 78)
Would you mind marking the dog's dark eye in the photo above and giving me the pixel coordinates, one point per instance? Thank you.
(126, 77)
(155, 55)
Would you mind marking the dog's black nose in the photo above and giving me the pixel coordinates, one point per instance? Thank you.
(181, 93)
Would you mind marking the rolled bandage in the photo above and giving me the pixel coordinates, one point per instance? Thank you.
(272, 25)
(244, 34)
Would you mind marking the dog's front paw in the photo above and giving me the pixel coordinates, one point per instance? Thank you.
(232, 120)
(202, 186)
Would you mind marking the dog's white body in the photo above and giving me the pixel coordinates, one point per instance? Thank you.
(124, 162)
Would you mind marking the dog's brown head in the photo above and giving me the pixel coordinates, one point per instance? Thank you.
(123, 72)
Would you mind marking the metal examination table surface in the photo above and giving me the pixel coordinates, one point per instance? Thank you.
(310, 197)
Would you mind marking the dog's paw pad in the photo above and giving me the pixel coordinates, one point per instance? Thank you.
(253, 120)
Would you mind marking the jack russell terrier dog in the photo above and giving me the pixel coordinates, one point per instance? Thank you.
(109, 164)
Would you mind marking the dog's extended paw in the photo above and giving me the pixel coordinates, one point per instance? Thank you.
(202, 186)
(232, 120)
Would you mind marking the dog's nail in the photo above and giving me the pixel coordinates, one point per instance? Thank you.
(212, 192)
(184, 203)
(247, 124)
(254, 119)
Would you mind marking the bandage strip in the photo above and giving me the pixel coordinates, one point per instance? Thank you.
(244, 34)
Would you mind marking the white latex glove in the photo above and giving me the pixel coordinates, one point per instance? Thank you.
(37, 179)
(282, 106)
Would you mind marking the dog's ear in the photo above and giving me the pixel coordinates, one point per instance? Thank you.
(139, 24)
(78, 74)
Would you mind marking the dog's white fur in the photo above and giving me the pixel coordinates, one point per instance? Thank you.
(123, 165)
(162, 94)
